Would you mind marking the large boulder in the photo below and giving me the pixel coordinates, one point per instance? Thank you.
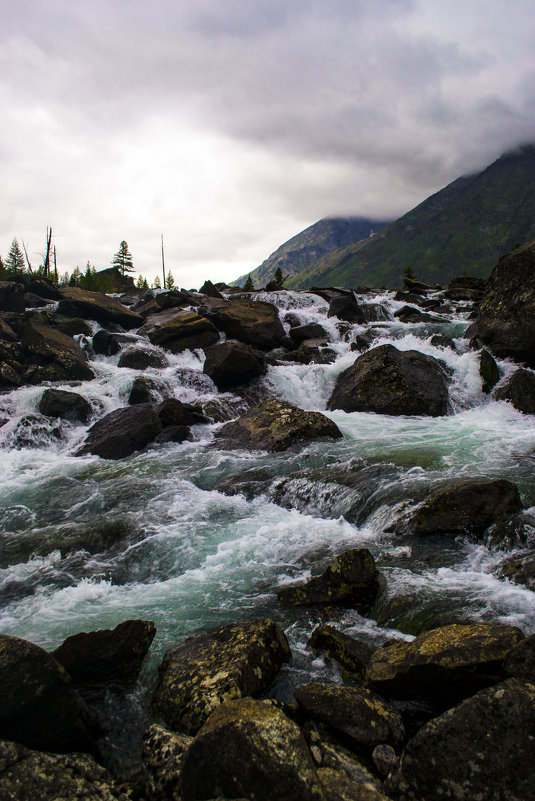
(408, 314)
(147, 390)
(484, 748)
(105, 343)
(163, 756)
(142, 359)
(11, 296)
(122, 432)
(465, 506)
(444, 664)
(179, 330)
(107, 655)
(345, 307)
(360, 714)
(249, 749)
(227, 662)
(39, 707)
(209, 289)
(351, 580)
(506, 317)
(274, 425)
(233, 364)
(300, 333)
(48, 346)
(33, 776)
(255, 323)
(67, 405)
(96, 306)
(519, 389)
(388, 381)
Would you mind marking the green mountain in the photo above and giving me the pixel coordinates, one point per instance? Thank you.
(302, 250)
(467, 226)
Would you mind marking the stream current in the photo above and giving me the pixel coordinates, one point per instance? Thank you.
(184, 554)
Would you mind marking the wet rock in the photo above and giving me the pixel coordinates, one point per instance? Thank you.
(520, 569)
(483, 748)
(312, 351)
(146, 390)
(385, 759)
(466, 506)
(354, 655)
(76, 302)
(300, 333)
(351, 580)
(72, 326)
(209, 289)
(388, 381)
(408, 314)
(255, 323)
(374, 312)
(292, 319)
(174, 434)
(107, 655)
(173, 412)
(138, 359)
(67, 405)
(441, 341)
(163, 756)
(362, 342)
(274, 426)
(227, 662)
(177, 331)
(35, 431)
(250, 749)
(122, 432)
(233, 364)
(506, 317)
(408, 614)
(520, 661)
(345, 307)
(152, 304)
(419, 288)
(445, 664)
(358, 713)
(105, 343)
(27, 774)
(11, 364)
(519, 389)
(488, 370)
(48, 344)
(39, 707)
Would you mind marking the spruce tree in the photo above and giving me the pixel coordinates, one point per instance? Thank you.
(169, 280)
(248, 286)
(15, 259)
(123, 259)
(278, 277)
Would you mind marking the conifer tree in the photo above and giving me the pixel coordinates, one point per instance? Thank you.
(156, 284)
(15, 259)
(278, 277)
(123, 259)
(249, 286)
(169, 280)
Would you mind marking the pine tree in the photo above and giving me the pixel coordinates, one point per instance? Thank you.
(156, 284)
(123, 259)
(248, 286)
(169, 280)
(15, 259)
(278, 277)
(139, 282)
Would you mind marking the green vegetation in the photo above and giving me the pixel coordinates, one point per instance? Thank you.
(249, 286)
(123, 259)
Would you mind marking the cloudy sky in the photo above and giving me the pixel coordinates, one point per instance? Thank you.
(231, 125)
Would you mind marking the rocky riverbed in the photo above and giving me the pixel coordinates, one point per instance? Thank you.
(269, 544)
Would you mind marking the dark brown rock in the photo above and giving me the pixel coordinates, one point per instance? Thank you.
(519, 389)
(519, 568)
(48, 344)
(209, 289)
(139, 359)
(408, 314)
(146, 390)
(177, 331)
(67, 405)
(488, 370)
(72, 326)
(520, 661)
(352, 654)
(105, 343)
(255, 323)
(122, 432)
(78, 302)
(233, 364)
(345, 307)
(300, 333)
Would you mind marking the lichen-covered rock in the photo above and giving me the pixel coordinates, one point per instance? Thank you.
(96, 306)
(177, 331)
(274, 425)
(255, 323)
(352, 654)
(72, 326)
(388, 381)
(47, 344)
(27, 775)
(519, 568)
(163, 755)
(39, 706)
(351, 580)
(519, 389)
(139, 359)
(444, 664)
(107, 655)
(122, 432)
(227, 662)
(339, 787)
(358, 713)
(67, 405)
(250, 749)
(465, 506)
(520, 661)
(484, 748)
(232, 364)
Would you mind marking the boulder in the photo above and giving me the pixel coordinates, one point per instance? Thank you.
(226, 662)
(174, 434)
(76, 302)
(506, 316)
(313, 351)
(360, 714)
(107, 655)
(351, 581)
(146, 390)
(339, 787)
(152, 304)
(177, 331)
(173, 412)
(233, 364)
(445, 664)
(520, 661)
(520, 569)
(39, 707)
(408, 314)
(67, 405)
(48, 344)
(163, 756)
(488, 370)
(484, 748)
(353, 655)
(388, 381)
(122, 432)
(11, 364)
(28, 775)
(139, 359)
(519, 389)
(72, 326)
(374, 312)
(249, 749)
(419, 288)
(465, 506)
(345, 307)
(11, 296)
(300, 333)
(274, 425)
(105, 343)
(441, 341)
(209, 289)
(255, 323)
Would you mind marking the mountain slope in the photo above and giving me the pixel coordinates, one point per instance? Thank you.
(467, 226)
(302, 250)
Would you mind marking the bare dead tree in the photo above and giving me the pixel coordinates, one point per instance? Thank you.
(56, 266)
(163, 265)
(47, 255)
(27, 259)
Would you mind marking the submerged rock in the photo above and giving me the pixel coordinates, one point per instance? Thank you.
(274, 425)
(484, 748)
(388, 381)
(351, 580)
(232, 364)
(227, 662)
(122, 432)
(68, 405)
(96, 306)
(352, 654)
(139, 359)
(519, 389)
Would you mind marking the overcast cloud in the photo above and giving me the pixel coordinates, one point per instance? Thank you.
(230, 125)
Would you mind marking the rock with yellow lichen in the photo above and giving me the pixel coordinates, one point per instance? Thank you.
(225, 663)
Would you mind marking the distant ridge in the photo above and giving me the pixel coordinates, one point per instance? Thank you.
(304, 249)
(467, 226)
